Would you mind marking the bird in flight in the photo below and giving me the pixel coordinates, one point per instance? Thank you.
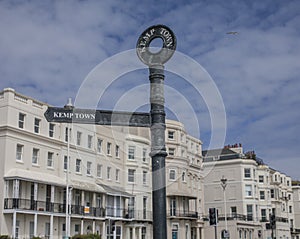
(232, 33)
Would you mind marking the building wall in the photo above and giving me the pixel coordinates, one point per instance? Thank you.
(102, 180)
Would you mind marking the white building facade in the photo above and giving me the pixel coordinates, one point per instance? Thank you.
(63, 179)
(253, 192)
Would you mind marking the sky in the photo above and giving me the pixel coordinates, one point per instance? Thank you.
(244, 85)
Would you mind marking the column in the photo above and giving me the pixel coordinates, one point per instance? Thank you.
(94, 226)
(133, 233)
(35, 191)
(35, 225)
(140, 232)
(14, 224)
(81, 227)
(128, 232)
(103, 230)
(51, 226)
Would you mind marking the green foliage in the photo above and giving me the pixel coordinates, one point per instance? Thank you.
(36, 238)
(4, 237)
(87, 236)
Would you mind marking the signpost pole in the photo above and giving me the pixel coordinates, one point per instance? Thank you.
(158, 151)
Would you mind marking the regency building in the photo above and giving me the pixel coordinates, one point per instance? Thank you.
(106, 180)
(253, 192)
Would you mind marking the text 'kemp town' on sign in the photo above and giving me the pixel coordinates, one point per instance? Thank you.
(97, 117)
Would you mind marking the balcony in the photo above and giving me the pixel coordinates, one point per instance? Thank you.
(182, 214)
(43, 206)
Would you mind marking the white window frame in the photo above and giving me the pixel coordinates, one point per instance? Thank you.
(78, 138)
(50, 160)
(131, 152)
(90, 141)
(248, 193)
(131, 175)
(172, 174)
(247, 174)
(37, 125)
(171, 134)
(21, 121)
(78, 166)
(35, 156)
(89, 168)
(99, 170)
(51, 130)
(108, 148)
(19, 152)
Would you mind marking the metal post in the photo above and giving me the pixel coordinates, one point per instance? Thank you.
(158, 151)
(216, 232)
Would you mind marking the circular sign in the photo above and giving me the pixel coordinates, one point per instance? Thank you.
(164, 54)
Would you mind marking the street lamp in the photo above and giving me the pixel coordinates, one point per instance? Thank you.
(68, 132)
(224, 184)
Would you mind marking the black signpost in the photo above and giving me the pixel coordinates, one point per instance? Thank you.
(155, 119)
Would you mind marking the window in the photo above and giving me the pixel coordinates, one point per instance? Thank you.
(172, 174)
(50, 160)
(117, 151)
(36, 125)
(144, 232)
(117, 175)
(290, 209)
(247, 173)
(144, 155)
(90, 141)
(261, 178)
(173, 207)
(108, 149)
(131, 175)
(263, 215)
(78, 138)
(78, 166)
(272, 193)
(145, 177)
(19, 153)
(35, 156)
(183, 177)
(77, 228)
(248, 189)
(262, 195)
(233, 211)
(65, 162)
(67, 134)
(145, 207)
(171, 151)
(99, 170)
(131, 152)
(21, 120)
(108, 172)
(51, 130)
(249, 212)
(99, 145)
(171, 134)
(88, 168)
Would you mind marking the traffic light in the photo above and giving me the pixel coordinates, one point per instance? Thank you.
(272, 221)
(213, 216)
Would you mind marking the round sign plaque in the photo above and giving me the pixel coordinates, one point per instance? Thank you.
(164, 54)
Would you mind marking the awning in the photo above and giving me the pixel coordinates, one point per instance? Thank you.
(86, 186)
(115, 191)
(27, 175)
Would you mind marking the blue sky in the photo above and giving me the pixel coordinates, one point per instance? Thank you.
(47, 49)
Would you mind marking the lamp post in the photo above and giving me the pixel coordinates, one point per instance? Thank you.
(68, 132)
(224, 184)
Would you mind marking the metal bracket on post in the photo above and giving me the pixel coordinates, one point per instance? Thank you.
(158, 153)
